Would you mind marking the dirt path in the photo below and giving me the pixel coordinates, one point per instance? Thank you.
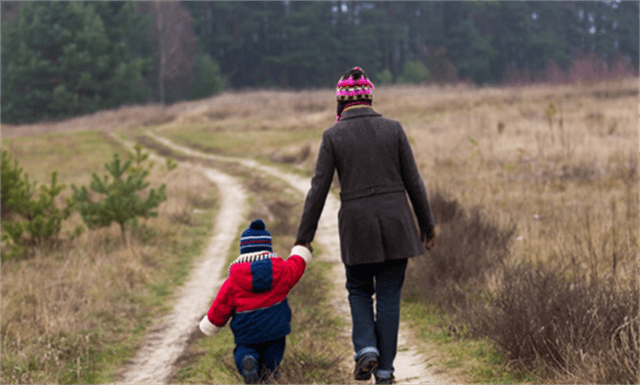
(154, 361)
(410, 365)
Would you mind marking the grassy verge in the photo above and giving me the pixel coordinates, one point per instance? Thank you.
(453, 351)
(76, 312)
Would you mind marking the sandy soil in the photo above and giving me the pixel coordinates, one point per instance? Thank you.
(410, 365)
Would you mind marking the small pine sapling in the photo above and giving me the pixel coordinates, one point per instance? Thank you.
(16, 188)
(40, 218)
(122, 202)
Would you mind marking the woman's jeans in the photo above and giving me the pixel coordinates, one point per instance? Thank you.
(379, 333)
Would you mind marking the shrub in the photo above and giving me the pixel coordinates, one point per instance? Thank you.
(121, 203)
(41, 222)
(588, 332)
(414, 72)
(207, 79)
(468, 250)
(384, 77)
(16, 188)
(37, 220)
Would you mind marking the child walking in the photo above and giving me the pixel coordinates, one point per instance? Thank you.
(255, 297)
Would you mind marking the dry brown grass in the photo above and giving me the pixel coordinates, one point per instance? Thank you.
(524, 172)
(268, 109)
(571, 330)
(569, 185)
(71, 311)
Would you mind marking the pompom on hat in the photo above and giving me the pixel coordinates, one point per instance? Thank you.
(255, 238)
(353, 88)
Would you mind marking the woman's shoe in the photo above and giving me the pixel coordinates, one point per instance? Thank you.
(389, 380)
(365, 366)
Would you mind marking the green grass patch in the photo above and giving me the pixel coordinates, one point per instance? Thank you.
(241, 143)
(460, 355)
(74, 155)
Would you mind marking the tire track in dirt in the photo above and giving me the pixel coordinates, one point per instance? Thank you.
(155, 359)
(410, 364)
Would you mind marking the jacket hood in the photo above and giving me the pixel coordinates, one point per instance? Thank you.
(255, 272)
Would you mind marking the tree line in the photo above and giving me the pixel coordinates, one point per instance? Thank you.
(61, 59)
(309, 44)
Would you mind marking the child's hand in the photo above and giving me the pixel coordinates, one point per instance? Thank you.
(207, 327)
(302, 249)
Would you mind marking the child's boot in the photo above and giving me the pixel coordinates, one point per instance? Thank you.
(250, 370)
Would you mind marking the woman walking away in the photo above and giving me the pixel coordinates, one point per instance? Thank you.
(376, 169)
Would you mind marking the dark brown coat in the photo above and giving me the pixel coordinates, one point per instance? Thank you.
(377, 170)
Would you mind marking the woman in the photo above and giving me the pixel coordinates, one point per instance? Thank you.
(377, 170)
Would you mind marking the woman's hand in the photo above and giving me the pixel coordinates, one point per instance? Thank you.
(429, 240)
(305, 244)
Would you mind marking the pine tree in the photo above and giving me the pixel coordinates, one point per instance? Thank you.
(58, 60)
(122, 202)
(471, 51)
(16, 188)
(207, 80)
(414, 72)
(31, 221)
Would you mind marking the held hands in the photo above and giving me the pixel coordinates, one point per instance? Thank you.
(305, 244)
(302, 249)
(429, 240)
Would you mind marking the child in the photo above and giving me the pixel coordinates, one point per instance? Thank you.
(255, 295)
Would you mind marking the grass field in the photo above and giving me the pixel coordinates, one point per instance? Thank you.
(558, 164)
(73, 313)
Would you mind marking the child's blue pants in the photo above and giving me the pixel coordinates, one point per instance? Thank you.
(268, 354)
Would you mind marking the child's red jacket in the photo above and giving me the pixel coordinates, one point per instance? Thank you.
(255, 296)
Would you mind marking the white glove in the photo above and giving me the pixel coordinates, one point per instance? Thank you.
(302, 251)
(207, 327)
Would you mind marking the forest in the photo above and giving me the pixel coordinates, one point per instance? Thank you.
(62, 59)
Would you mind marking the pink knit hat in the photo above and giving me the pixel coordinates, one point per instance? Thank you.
(353, 88)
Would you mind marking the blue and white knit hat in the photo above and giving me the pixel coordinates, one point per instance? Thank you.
(255, 238)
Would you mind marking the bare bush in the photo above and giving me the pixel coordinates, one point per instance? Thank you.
(582, 332)
(469, 248)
